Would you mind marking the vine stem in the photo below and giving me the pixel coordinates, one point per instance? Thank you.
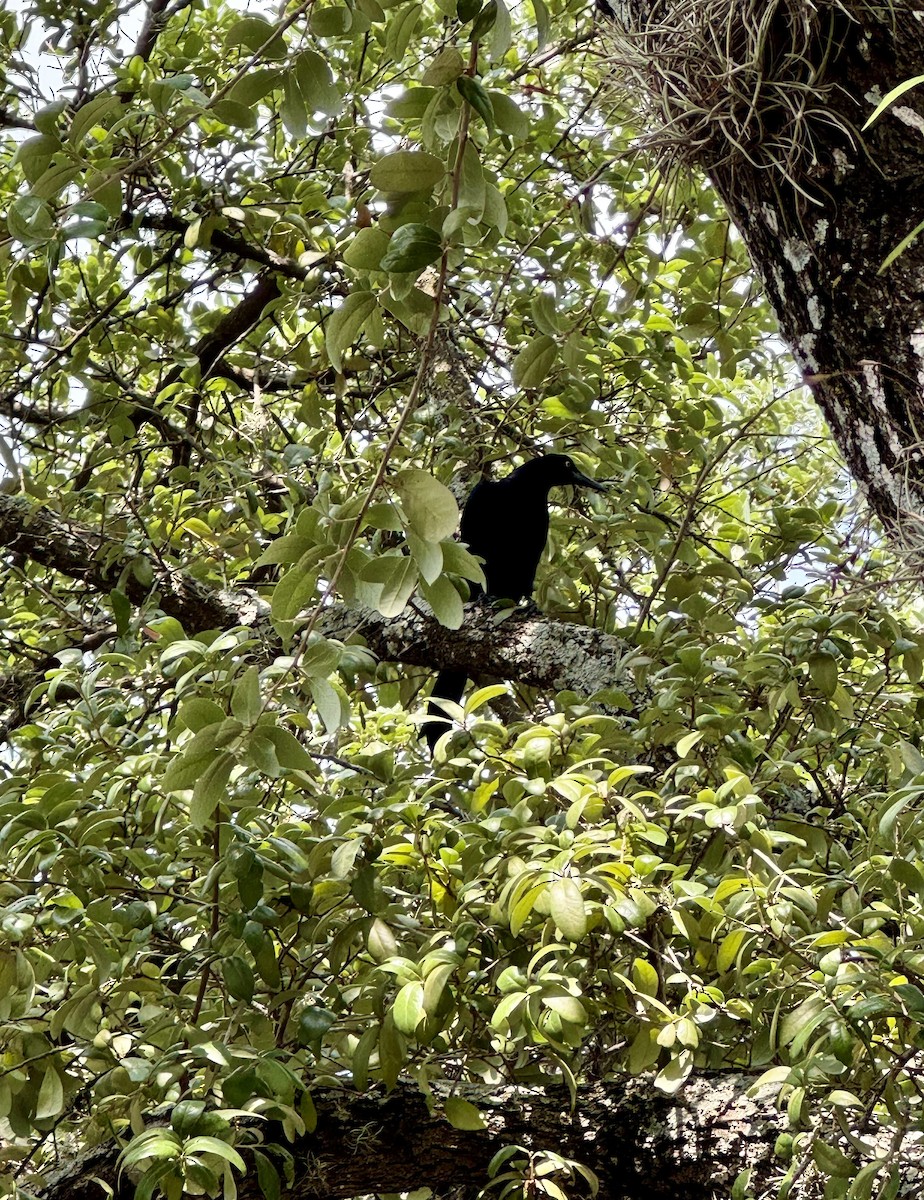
(215, 925)
(414, 394)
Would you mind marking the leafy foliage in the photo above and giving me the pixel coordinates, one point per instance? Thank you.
(270, 288)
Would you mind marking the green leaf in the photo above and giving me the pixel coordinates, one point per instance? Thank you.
(412, 104)
(823, 672)
(286, 549)
(366, 250)
(509, 117)
(255, 84)
(212, 1145)
(102, 110)
(543, 23)
(392, 1051)
(485, 20)
(50, 1100)
(384, 515)
(412, 247)
(427, 555)
(532, 365)
(345, 325)
(238, 978)
(644, 1051)
(729, 948)
(256, 33)
(211, 789)
(907, 874)
(320, 657)
(445, 602)
(687, 742)
(408, 1008)
(832, 1161)
(484, 695)
(294, 110)
(401, 28)
(313, 1024)
(900, 249)
(397, 588)
(198, 754)
(645, 977)
(328, 703)
(317, 84)
(567, 908)
(293, 593)
(458, 560)
(912, 996)
(30, 221)
(429, 505)
(502, 33)
(332, 21)
(461, 1114)
(121, 610)
(238, 116)
(671, 1079)
(445, 67)
(407, 171)
(475, 94)
(198, 711)
(267, 1176)
(246, 702)
(186, 1117)
(152, 1143)
(568, 1007)
(289, 750)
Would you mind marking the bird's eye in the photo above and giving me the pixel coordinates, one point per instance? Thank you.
(568, 461)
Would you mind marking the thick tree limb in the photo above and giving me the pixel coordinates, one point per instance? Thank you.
(539, 652)
(536, 651)
(639, 1142)
(236, 322)
(155, 20)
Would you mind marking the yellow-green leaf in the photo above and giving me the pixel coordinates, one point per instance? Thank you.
(462, 1115)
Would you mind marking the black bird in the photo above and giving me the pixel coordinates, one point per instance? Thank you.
(506, 524)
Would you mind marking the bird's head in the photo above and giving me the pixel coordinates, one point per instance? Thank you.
(555, 470)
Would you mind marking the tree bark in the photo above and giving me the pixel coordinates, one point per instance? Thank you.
(819, 227)
(641, 1144)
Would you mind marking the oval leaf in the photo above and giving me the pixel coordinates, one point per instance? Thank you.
(407, 171)
(429, 505)
(567, 908)
(462, 1115)
(346, 324)
(532, 365)
(412, 247)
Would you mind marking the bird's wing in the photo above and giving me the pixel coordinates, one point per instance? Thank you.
(482, 521)
(477, 517)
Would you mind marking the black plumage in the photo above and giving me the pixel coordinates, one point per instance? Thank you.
(506, 523)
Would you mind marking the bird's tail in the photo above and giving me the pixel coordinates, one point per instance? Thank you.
(449, 686)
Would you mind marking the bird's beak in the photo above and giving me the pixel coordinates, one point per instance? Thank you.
(579, 479)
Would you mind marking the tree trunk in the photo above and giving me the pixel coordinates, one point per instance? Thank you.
(819, 208)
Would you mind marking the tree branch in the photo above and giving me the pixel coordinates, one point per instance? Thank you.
(539, 652)
(227, 243)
